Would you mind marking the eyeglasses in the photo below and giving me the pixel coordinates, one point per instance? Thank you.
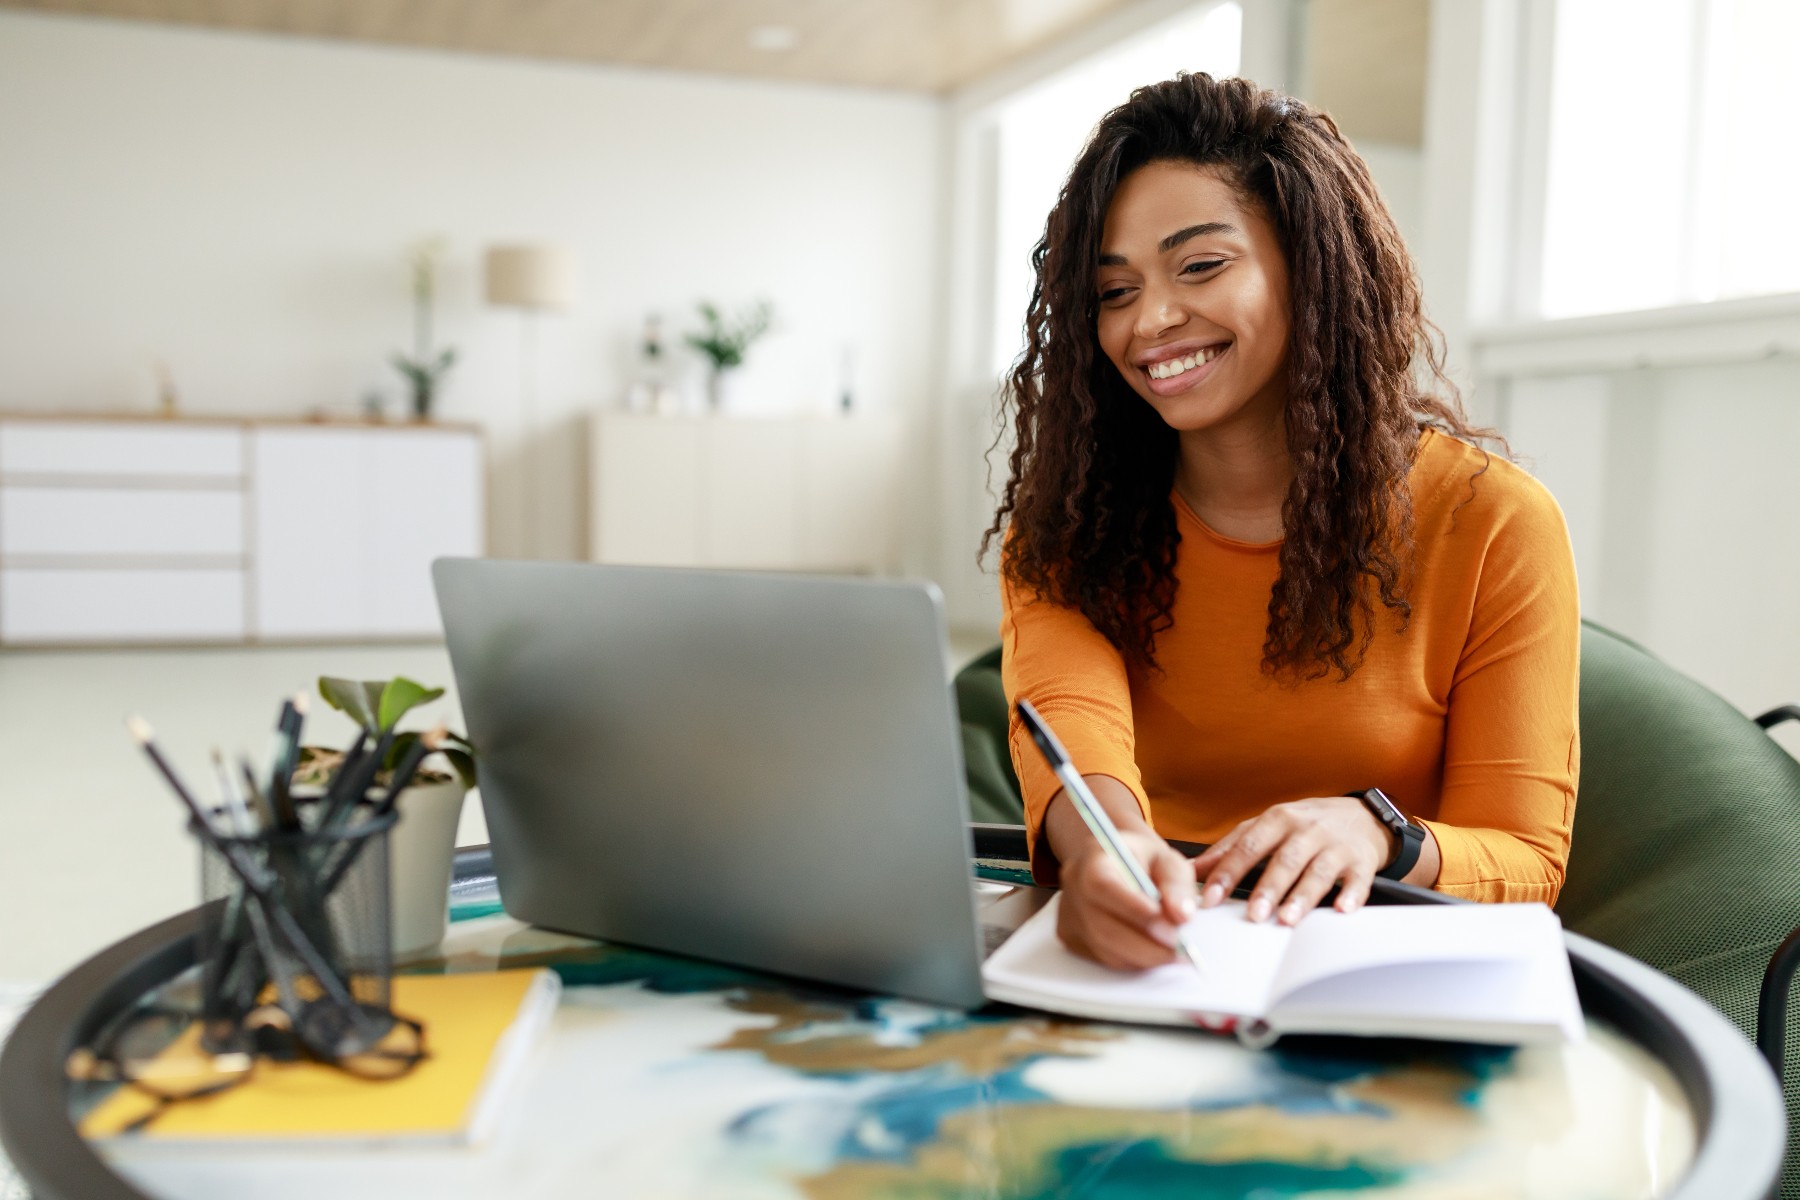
(160, 1050)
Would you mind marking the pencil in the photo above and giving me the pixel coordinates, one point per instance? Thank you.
(231, 854)
(142, 734)
(281, 770)
(429, 741)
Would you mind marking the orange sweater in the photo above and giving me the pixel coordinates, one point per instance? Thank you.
(1467, 719)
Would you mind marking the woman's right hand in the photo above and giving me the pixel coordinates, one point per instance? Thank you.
(1102, 916)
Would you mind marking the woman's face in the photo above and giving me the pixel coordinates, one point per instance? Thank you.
(1193, 293)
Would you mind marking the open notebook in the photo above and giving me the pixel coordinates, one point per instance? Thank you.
(1477, 972)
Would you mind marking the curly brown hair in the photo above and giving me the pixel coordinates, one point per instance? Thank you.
(1087, 511)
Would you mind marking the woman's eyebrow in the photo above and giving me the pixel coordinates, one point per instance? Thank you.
(1175, 239)
(1193, 231)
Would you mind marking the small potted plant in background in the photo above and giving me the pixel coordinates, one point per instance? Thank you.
(424, 369)
(724, 341)
(423, 843)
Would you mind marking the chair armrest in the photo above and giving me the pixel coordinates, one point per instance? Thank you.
(1775, 716)
(1772, 1002)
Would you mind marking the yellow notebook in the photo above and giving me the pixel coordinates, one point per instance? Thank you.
(479, 1029)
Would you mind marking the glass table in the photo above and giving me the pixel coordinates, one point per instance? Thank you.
(664, 1076)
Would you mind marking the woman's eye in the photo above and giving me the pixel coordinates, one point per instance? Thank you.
(1198, 268)
(1111, 294)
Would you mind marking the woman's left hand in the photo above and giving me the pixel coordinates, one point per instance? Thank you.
(1308, 845)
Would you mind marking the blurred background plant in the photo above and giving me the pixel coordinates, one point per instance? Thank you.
(424, 369)
(725, 340)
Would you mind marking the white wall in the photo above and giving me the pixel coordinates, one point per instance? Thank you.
(241, 206)
(1679, 488)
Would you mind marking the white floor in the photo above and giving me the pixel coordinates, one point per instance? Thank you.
(92, 845)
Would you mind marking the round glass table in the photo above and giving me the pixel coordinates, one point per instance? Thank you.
(665, 1076)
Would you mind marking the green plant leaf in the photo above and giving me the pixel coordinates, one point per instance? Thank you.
(463, 762)
(360, 701)
(402, 743)
(401, 696)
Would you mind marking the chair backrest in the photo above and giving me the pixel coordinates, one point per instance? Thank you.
(987, 762)
(1686, 848)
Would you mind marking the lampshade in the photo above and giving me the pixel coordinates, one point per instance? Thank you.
(536, 276)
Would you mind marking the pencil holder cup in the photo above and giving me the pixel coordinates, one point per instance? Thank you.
(297, 937)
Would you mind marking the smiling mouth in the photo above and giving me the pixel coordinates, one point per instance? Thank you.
(1172, 373)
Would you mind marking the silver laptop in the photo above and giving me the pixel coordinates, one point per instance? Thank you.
(763, 770)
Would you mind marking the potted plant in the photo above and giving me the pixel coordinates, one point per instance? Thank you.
(424, 369)
(724, 341)
(423, 843)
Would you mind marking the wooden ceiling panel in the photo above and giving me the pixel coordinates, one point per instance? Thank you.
(1365, 65)
(918, 45)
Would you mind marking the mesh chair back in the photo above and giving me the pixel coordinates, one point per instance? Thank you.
(981, 703)
(1686, 850)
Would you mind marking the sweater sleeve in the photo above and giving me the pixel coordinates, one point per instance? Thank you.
(1053, 656)
(1512, 749)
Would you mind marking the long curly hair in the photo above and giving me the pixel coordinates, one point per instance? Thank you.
(1086, 510)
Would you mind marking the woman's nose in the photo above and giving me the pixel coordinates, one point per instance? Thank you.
(1157, 314)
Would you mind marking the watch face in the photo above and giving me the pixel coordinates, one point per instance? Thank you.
(1384, 809)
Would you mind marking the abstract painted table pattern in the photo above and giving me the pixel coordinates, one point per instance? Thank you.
(666, 1077)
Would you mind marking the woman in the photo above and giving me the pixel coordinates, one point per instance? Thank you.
(1251, 566)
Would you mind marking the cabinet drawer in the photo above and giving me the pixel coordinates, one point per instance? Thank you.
(96, 448)
(75, 605)
(120, 521)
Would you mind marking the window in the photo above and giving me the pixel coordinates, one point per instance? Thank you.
(1040, 131)
(1672, 161)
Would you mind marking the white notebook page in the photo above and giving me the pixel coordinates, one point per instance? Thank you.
(1239, 961)
(1329, 943)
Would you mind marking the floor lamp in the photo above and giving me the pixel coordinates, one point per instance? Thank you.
(533, 279)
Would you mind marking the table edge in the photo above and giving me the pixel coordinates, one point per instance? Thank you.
(1740, 1118)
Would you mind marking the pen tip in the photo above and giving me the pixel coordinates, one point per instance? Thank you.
(300, 703)
(139, 728)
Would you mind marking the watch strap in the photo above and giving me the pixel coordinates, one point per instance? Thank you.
(1412, 841)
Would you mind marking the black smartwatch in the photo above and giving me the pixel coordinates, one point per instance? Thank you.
(1411, 837)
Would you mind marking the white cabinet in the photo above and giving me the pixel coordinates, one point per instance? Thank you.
(807, 494)
(122, 531)
(48, 604)
(348, 522)
(142, 530)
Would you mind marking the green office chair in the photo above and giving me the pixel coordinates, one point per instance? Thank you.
(993, 785)
(1686, 850)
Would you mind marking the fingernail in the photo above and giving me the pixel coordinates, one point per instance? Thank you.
(1163, 932)
(1259, 909)
(1189, 906)
(1290, 914)
(1214, 894)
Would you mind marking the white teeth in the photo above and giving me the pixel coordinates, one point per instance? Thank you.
(1169, 368)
